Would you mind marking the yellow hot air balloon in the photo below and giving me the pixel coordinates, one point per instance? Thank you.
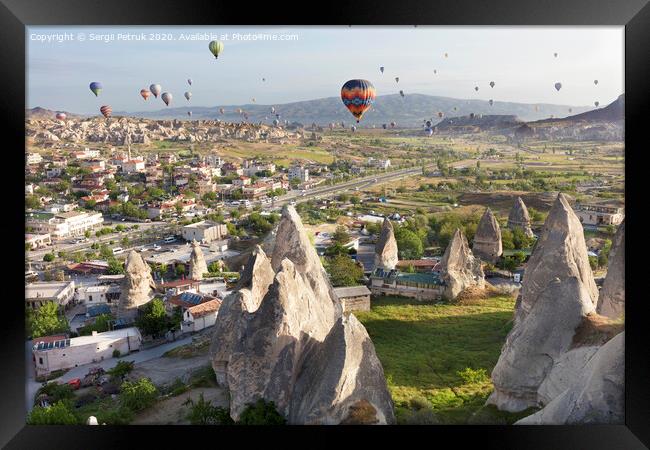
(216, 47)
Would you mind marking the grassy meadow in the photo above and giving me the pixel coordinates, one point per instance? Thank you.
(437, 358)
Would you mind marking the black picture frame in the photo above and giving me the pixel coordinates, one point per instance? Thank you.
(17, 14)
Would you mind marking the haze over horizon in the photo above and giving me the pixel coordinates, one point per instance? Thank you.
(314, 63)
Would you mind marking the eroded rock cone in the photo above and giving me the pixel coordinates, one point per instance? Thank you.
(487, 239)
(281, 337)
(561, 253)
(460, 269)
(137, 286)
(198, 265)
(595, 397)
(386, 247)
(519, 217)
(557, 296)
(611, 299)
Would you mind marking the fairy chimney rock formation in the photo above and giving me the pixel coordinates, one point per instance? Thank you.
(557, 296)
(137, 286)
(611, 299)
(386, 247)
(198, 265)
(519, 218)
(460, 269)
(281, 336)
(487, 239)
(595, 397)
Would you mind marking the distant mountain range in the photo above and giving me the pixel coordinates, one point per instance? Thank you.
(407, 111)
(614, 112)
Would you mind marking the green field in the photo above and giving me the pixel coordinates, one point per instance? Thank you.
(437, 358)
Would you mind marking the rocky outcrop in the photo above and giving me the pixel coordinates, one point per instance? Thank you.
(557, 297)
(386, 247)
(460, 269)
(137, 286)
(561, 253)
(282, 336)
(198, 265)
(596, 396)
(519, 218)
(487, 239)
(611, 299)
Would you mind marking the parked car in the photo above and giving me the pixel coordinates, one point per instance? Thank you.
(75, 383)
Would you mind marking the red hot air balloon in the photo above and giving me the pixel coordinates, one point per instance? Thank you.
(60, 116)
(358, 96)
(145, 94)
(106, 110)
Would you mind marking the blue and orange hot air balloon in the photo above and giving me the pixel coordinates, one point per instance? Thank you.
(357, 96)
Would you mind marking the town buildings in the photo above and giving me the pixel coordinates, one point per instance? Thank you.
(595, 215)
(353, 298)
(59, 292)
(198, 317)
(204, 231)
(420, 286)
(300, 173)
(63, 225)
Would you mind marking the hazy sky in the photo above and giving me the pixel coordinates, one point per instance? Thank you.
(314, 62)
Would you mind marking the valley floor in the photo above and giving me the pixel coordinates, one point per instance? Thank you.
(437, 358)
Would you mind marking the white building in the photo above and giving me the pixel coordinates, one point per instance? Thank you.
(64, 225)
(33, 158)
(29, 189)
(201, 316)
(60, 292)
(204, 231)
(133, 166)
(95, 295)
(213, 160)
(379, 163)
(599, 214)
(37, 240)
(57, 352)
(299, 172)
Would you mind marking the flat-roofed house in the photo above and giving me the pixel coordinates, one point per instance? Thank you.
(204, 231)
(60, 292)
(353, 298)
(420, 286)
(593, 214)
(53, 353)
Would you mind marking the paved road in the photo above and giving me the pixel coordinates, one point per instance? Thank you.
(32, 385)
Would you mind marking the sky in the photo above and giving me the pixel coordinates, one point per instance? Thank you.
(304, 63)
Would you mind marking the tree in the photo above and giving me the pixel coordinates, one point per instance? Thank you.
(32, 202)
(48, 257)
(506, 239)
(115, 266)
(138, 395)
(603, 256)
(344, 271)
(203, 412)
(341, 235)
(153, 318)
(261, 413)
(180, 270)
(46, 321)
(520, 239)
(101, 324)
(409, 244)
(57, 414)
(121, 369)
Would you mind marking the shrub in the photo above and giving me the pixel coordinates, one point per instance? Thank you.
(56, 392)
(116, 354)
(48, 257)
(203, 412)
(121, 369)
(138, 395)
(472, 376)
(418, 403)
(261, 413)
(58, 414)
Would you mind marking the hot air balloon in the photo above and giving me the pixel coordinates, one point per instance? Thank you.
(570, 110)
(446, 55)
(216, 47)
(558, 86)
(476, 88)
(596, 103)
(435, 71)
(245, 116)
(221, 110)
(60, 116)
(396, 79)
(145, 93)
(401, 93)
(189, 113)
(277, 116)
(167, 98)
(471, 115)
(331, 126)
(381, 69)
(239, 110)
(96, 87)
(492, 84)
(276, 122)
(106, 110)
(353, 128)
(491, 102)
(555, 54)
(253, 99)
(272, 110)
(429, 131)
(263, 79)
(384, 126)
(342, 124)
(595, 81)
(428, 124)
(188, 95)
(392, 124)
(536, 108)
(155, 89)
(455, 108)
(189, 81)
(357, 96)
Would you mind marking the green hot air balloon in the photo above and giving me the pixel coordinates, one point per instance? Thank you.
(96, 87)
(216, 47)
